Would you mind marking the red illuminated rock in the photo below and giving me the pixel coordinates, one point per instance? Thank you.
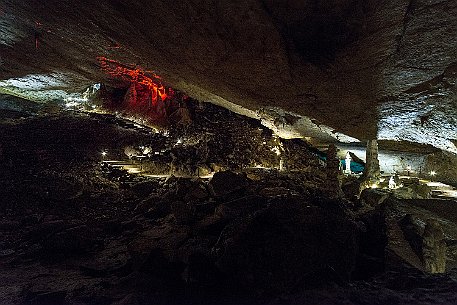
(368, 69)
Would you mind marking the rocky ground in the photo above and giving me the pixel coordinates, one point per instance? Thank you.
(72, 234)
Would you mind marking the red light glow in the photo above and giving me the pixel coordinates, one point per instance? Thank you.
(146, 96)
(145, 85)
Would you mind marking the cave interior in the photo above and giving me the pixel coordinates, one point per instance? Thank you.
(228, 152)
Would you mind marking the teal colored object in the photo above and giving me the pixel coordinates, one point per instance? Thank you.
(355, 166)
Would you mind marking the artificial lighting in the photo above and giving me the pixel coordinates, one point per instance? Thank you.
(104, 153)
(146, 150)
(438, 184)
(71, 104)
(260, 166)
(432, 173)
(374, 186)
(276, 150)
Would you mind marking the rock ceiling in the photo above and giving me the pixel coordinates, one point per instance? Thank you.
(366, 68)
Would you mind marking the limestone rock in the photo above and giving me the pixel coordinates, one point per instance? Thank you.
(434, 247)
(413, 229)
(183, 212)
(365, 68)
(413, 191)
(275, 191)
(258, 250)
(373, 197)
(226, 182)
(372, 171)
(333, 172)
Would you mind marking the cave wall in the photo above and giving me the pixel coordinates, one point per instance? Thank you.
(366, 68)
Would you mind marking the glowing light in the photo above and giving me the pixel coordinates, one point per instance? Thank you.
(150, 85)
(259, 166)
(276, 150)
(432, 173)
(71, 104)
(104, 153)
(209, 176)
(439, 184)
(374, 186)
(155, 176)
(448, 193)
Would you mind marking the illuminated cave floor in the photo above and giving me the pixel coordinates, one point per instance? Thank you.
(72, 233)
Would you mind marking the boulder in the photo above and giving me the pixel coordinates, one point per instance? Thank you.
(413, 191)
(196, 192)
(226, 182)
(285, 245)
(373, 197)
(413, 229)
(144, 188)
(154, 207)
(183, 212)
(434, 247)
(275, 191)
(72, 241)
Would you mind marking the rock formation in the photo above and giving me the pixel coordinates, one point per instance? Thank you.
(372, 171)
(365, 68)
(333, 172)
(203, 215)
(434, 247)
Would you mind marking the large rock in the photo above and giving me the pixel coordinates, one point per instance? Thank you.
(434, 247)
(413, 192)
(226, 182)
(413, 229)
(70, 242)
(444, 165)
(373, 197)
(285, 245)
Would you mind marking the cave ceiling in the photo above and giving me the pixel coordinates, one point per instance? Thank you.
(382, 69)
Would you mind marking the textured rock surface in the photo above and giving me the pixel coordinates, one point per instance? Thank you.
(73, 232)
(372, 171)
(365, 68)
(434, 248)
(444, 164)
